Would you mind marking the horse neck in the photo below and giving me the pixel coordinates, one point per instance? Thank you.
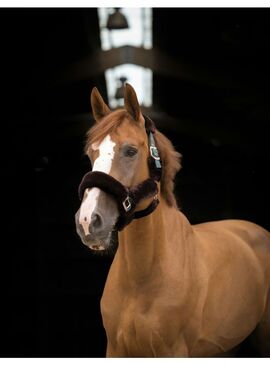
(147, 245)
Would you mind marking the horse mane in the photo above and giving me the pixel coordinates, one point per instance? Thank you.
(171, 164)
(171, 159)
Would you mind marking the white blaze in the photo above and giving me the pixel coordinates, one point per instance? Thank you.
(103, 163)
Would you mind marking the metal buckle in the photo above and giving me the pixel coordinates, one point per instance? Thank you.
(154, 152)
(127, 203)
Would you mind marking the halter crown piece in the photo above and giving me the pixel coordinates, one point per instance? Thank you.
(128, 198)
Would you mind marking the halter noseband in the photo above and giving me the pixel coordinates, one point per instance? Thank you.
(128, 198)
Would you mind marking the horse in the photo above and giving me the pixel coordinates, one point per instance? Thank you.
(173, 289)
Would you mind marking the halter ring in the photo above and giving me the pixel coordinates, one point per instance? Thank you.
(127, 203)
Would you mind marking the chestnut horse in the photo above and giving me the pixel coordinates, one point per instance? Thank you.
(173, 289)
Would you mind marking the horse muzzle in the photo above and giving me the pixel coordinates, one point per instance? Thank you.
(95, 230)
(97, 239)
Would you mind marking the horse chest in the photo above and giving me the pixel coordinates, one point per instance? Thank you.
(138, 329)
(134, 331)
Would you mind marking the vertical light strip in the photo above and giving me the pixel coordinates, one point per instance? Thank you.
(139, 34)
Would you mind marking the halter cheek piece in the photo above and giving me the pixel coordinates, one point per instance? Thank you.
(128, 198)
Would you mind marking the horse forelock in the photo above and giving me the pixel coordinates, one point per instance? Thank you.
(104, 127)
(171, 159)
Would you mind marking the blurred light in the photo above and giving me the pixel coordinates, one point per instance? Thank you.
(139, 34)
(117, 20)
(139, 77)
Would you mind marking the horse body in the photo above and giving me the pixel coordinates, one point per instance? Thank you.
(237, 282)
(173, 289)
(203, 298)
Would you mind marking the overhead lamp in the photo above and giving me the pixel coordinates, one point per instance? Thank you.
(121, 88)
(117, 20)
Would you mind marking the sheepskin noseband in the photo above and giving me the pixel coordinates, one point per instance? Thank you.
(128, 198)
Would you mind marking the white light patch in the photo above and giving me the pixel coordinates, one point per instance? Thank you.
(138, 34)
(103, 163)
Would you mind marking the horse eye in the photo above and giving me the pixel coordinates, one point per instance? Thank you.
(130, 151)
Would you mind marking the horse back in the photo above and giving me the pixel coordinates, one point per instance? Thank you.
(238, 236)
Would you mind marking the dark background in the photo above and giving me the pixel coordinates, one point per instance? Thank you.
(214, 106)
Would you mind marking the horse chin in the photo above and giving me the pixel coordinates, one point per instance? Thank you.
(98, 244)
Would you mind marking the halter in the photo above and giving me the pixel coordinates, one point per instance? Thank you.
(128, 198)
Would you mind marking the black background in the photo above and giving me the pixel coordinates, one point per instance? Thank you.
(220, 123)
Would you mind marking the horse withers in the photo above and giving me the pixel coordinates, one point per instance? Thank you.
(173, 289)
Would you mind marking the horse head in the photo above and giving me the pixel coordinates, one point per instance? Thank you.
(117, 146)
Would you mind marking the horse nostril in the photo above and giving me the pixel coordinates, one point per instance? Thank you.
(96, 221)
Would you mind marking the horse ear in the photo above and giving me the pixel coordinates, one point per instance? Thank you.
(99, 107)
(131, 103)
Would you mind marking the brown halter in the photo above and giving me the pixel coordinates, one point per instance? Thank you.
(128, 198)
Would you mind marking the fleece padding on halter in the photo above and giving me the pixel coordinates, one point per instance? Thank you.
(127, 199)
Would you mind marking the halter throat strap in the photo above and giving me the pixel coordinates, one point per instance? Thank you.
(127, 199)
